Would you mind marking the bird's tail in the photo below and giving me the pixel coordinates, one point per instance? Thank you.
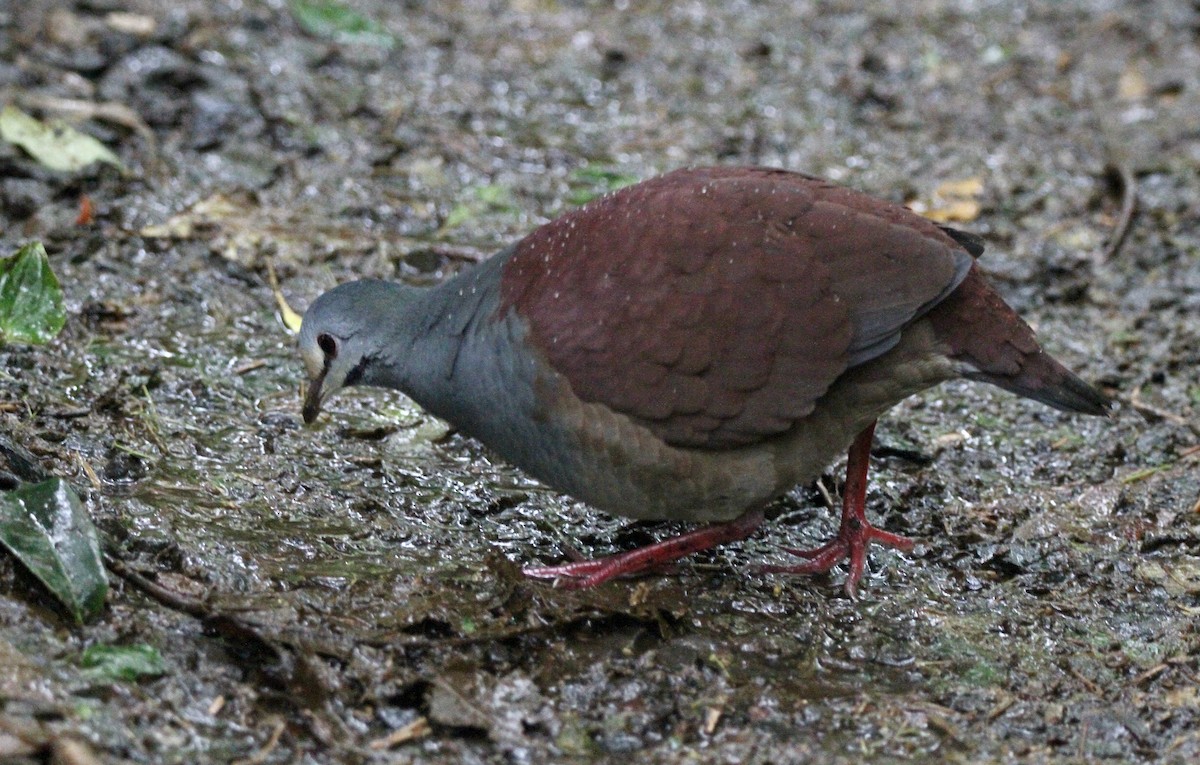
(995, 345)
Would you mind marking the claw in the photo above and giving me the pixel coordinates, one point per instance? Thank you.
(855, 533)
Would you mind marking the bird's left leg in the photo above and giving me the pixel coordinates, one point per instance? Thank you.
(855, 532)
(588, 573)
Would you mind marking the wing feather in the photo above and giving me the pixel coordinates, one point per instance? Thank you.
(725, 327)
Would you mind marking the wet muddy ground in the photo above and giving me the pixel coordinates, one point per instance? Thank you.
(350, 592)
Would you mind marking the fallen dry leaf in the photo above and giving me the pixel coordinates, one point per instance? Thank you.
(954, 201)
(1132, 86)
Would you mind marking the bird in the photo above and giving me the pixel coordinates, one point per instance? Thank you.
(690, 348)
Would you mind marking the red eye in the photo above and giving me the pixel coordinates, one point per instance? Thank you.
(328, 346)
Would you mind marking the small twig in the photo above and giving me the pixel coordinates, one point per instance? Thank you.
(1000, 708)
(712, 717)
(168, 598)
(1150, 674)
(418, 728)
(89, 471)
(1152, 412)
(1121, 172)
(69, 414)
(250, 366)
(262, 754)
(1087, 682)
(826, 494)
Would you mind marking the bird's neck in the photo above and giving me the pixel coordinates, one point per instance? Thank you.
(436, 332)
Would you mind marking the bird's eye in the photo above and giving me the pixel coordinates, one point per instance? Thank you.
(328, 346)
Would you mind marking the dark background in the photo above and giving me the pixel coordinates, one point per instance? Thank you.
(361, 575)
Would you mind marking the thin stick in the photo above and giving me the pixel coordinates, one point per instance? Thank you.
(1122, 172)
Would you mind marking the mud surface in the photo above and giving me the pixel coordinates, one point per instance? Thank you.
(350, 592)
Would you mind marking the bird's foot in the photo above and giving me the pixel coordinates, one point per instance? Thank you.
(850, 544)
(855, 532)
(589, 573)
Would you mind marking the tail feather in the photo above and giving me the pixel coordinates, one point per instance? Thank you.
(1044, 379)
(996, 346)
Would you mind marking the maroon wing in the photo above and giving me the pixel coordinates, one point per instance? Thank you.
(717, 305)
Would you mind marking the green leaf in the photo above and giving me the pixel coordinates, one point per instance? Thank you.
(45, 527)
(122, 662)
(336, 21)
(592, 181)
(495, 197)
(458, 215)
(485, 199)
(31, 301)
(55, 144)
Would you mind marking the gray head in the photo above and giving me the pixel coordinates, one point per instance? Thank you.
(344, 338)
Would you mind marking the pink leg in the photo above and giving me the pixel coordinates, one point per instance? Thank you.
(855, 532)
(589, 573)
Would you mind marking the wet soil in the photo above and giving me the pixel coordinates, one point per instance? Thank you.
(350, 592)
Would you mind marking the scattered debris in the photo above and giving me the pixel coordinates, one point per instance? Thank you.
(55, 144)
